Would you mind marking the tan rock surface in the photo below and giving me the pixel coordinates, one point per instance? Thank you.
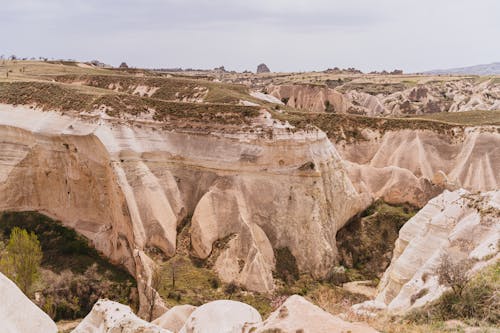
(414, 166)
(459, 224)
(310, 97)
(222, 316)
(175, 318)
(296, 314)
(127, 184)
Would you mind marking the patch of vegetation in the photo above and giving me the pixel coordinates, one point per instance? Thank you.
(472, 118)
(21, 259)
(74, 275)
(366, 242)
(44, 95)
(286, 265)
(49, 96)
(374, 88)
(341, 127)
(475, 300)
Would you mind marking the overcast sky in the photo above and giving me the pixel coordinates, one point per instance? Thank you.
(288, 35)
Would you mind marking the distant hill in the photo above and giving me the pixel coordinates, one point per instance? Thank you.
(487, 69)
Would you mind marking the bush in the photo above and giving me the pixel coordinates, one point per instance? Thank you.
(453, 274)
(476, 299)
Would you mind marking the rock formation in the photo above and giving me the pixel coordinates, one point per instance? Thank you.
(459, 224)
(110, 317)
(313, 98)
(298, 315)
(391, 99)
(415, 165)
(220, 317)
(18, 314)
(127, 185)
(262, 68)
(174, 319)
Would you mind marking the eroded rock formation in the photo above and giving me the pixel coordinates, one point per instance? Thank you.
(296, 314)
(415, 165)
(109, 317)
(459, 224)
(18, 314)
(126, 185)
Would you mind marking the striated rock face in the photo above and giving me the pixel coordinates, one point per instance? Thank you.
(175, 318)
(127, 184)
(415, 165)
(18, 314)
(109, 317)
(298, 315)
(310, 97)
(459, 224)
(220, 317)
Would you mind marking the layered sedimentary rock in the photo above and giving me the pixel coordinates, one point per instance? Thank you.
(296, 314)
(128, 184)
(310, 97)
(416, 165)
(18, 314)
(110, 317)
(459, 224)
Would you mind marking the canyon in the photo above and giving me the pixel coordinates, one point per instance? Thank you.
(247, 179)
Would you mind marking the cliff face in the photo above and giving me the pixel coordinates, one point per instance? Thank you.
(127, 185)
(310, 97)
(460, 224)
(416, 165)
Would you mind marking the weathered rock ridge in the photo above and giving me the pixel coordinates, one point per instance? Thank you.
(127, 187)
(459, 224)
(416, 165)
(379, 98)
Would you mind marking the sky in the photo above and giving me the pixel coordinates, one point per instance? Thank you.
(287, 35)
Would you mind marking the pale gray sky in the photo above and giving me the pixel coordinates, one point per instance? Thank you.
(288, 35)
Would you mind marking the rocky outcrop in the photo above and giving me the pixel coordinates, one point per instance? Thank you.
(18, 314)
(262, 68)
(374, 98)
(415, 165)
(314, 98)
(298, 315)
(174, 319)
(459, 224)
(220, 317)
(126, 184)
(109, 317)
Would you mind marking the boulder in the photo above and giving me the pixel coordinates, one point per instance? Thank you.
(18, 314)
(110, 317)
(221, 316)
(297, 314)
(175, 318)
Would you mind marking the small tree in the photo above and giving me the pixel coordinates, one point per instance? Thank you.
(453, 274)
(22, 259)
